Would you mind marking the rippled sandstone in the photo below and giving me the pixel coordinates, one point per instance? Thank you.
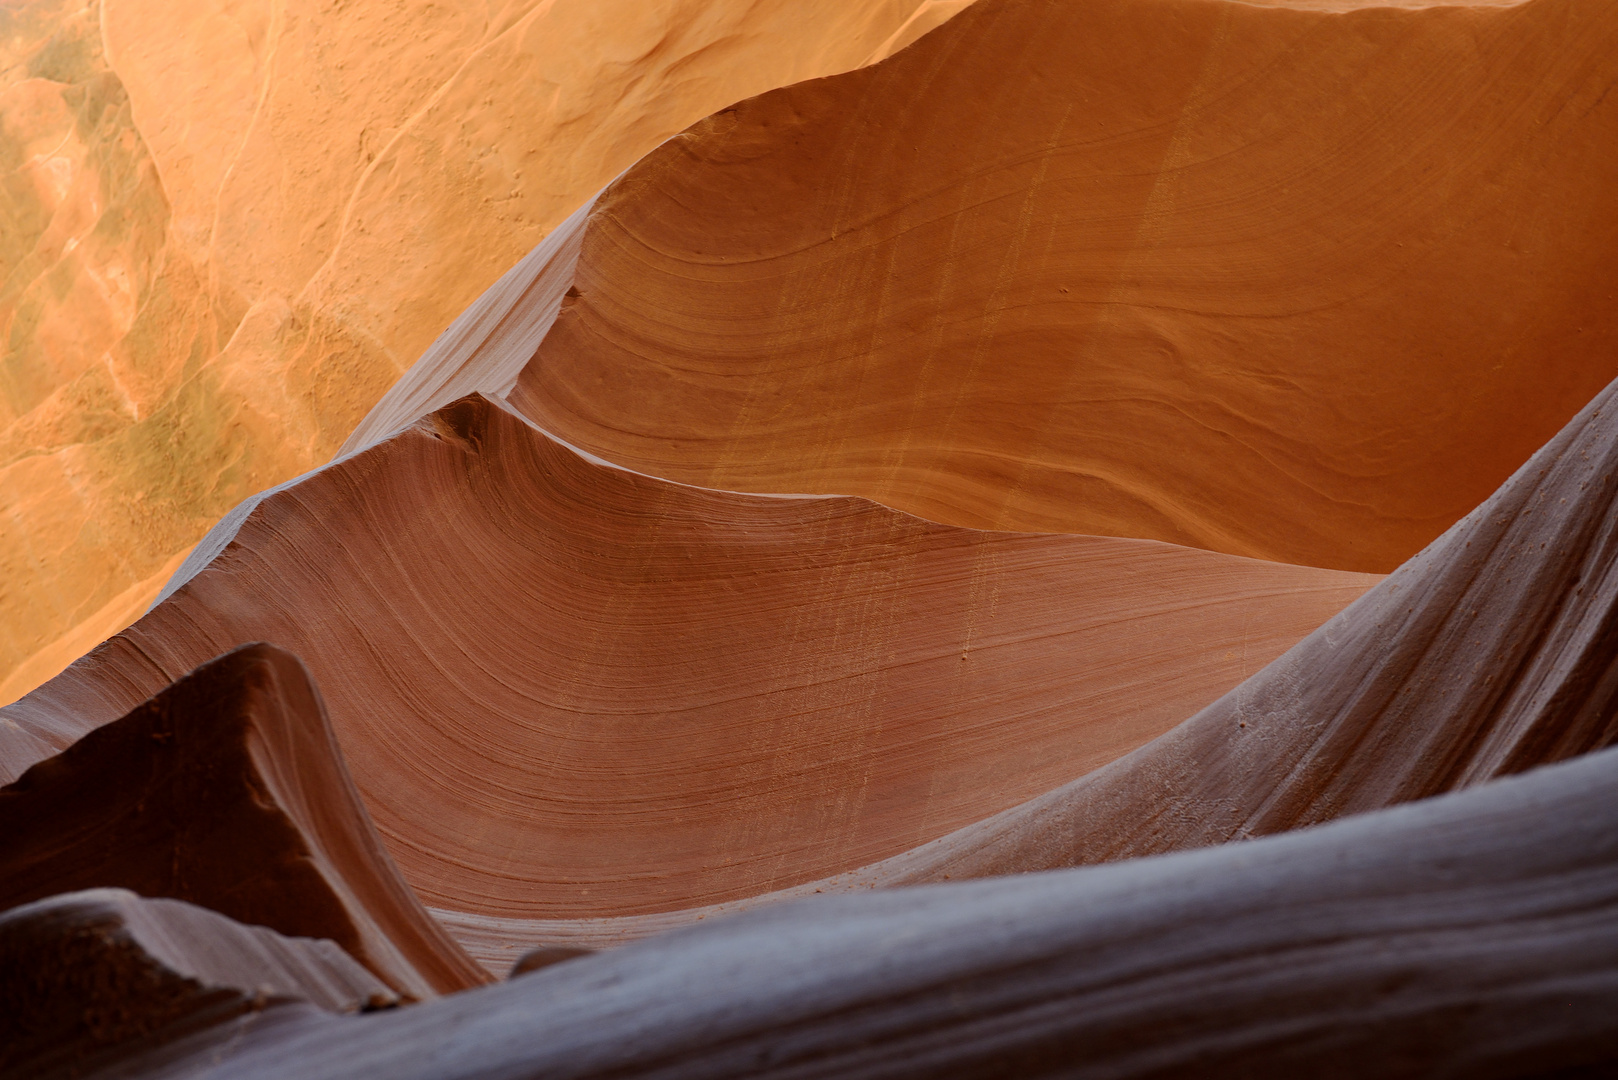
(231, 226)
(1474, 935)
(569, 690)
(1294, 280)
(226, 790)
(1296, 284)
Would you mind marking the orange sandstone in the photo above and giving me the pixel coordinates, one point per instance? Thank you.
(229, 227)
(1297, 284)
(566, 690)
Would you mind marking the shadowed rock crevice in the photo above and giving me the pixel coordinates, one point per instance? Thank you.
(568, 690)
(93, 977)
(227, 790)
(1473, 936)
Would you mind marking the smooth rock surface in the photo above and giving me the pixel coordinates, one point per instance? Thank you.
(1489, 653)
(1473, 935)
(226, 790)
(93, 976)
(1231, 301)
(566, 690)
(230, 226)
(1302, 285)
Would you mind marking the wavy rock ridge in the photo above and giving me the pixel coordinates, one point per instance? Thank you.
(229, 227)
(1488, 654)
(227, 790)
(1471, 935)
(1279, 283)
(1176, 282)
(776, 689)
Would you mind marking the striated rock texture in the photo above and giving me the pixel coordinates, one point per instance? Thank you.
(226, 790)
(228, 227)
(1296, 284)
(1491, 652)
(1233, 303)
(567, 690)
(1474, 935)
(92, 977)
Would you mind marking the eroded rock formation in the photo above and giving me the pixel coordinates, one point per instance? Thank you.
(230, 226)
(1296, 284)
(1219, 305)
(1472, 935)
(1490, 653)
(567, 690)
(226, 790)
(90, 978)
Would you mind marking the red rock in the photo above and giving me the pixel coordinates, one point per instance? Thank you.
(227, 791)
(90, 978)
(1301, 285)
(567, 690)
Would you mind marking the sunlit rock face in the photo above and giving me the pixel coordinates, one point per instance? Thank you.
(1292, 282)
(229, 227)
(1082, 546)
(90, 305)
